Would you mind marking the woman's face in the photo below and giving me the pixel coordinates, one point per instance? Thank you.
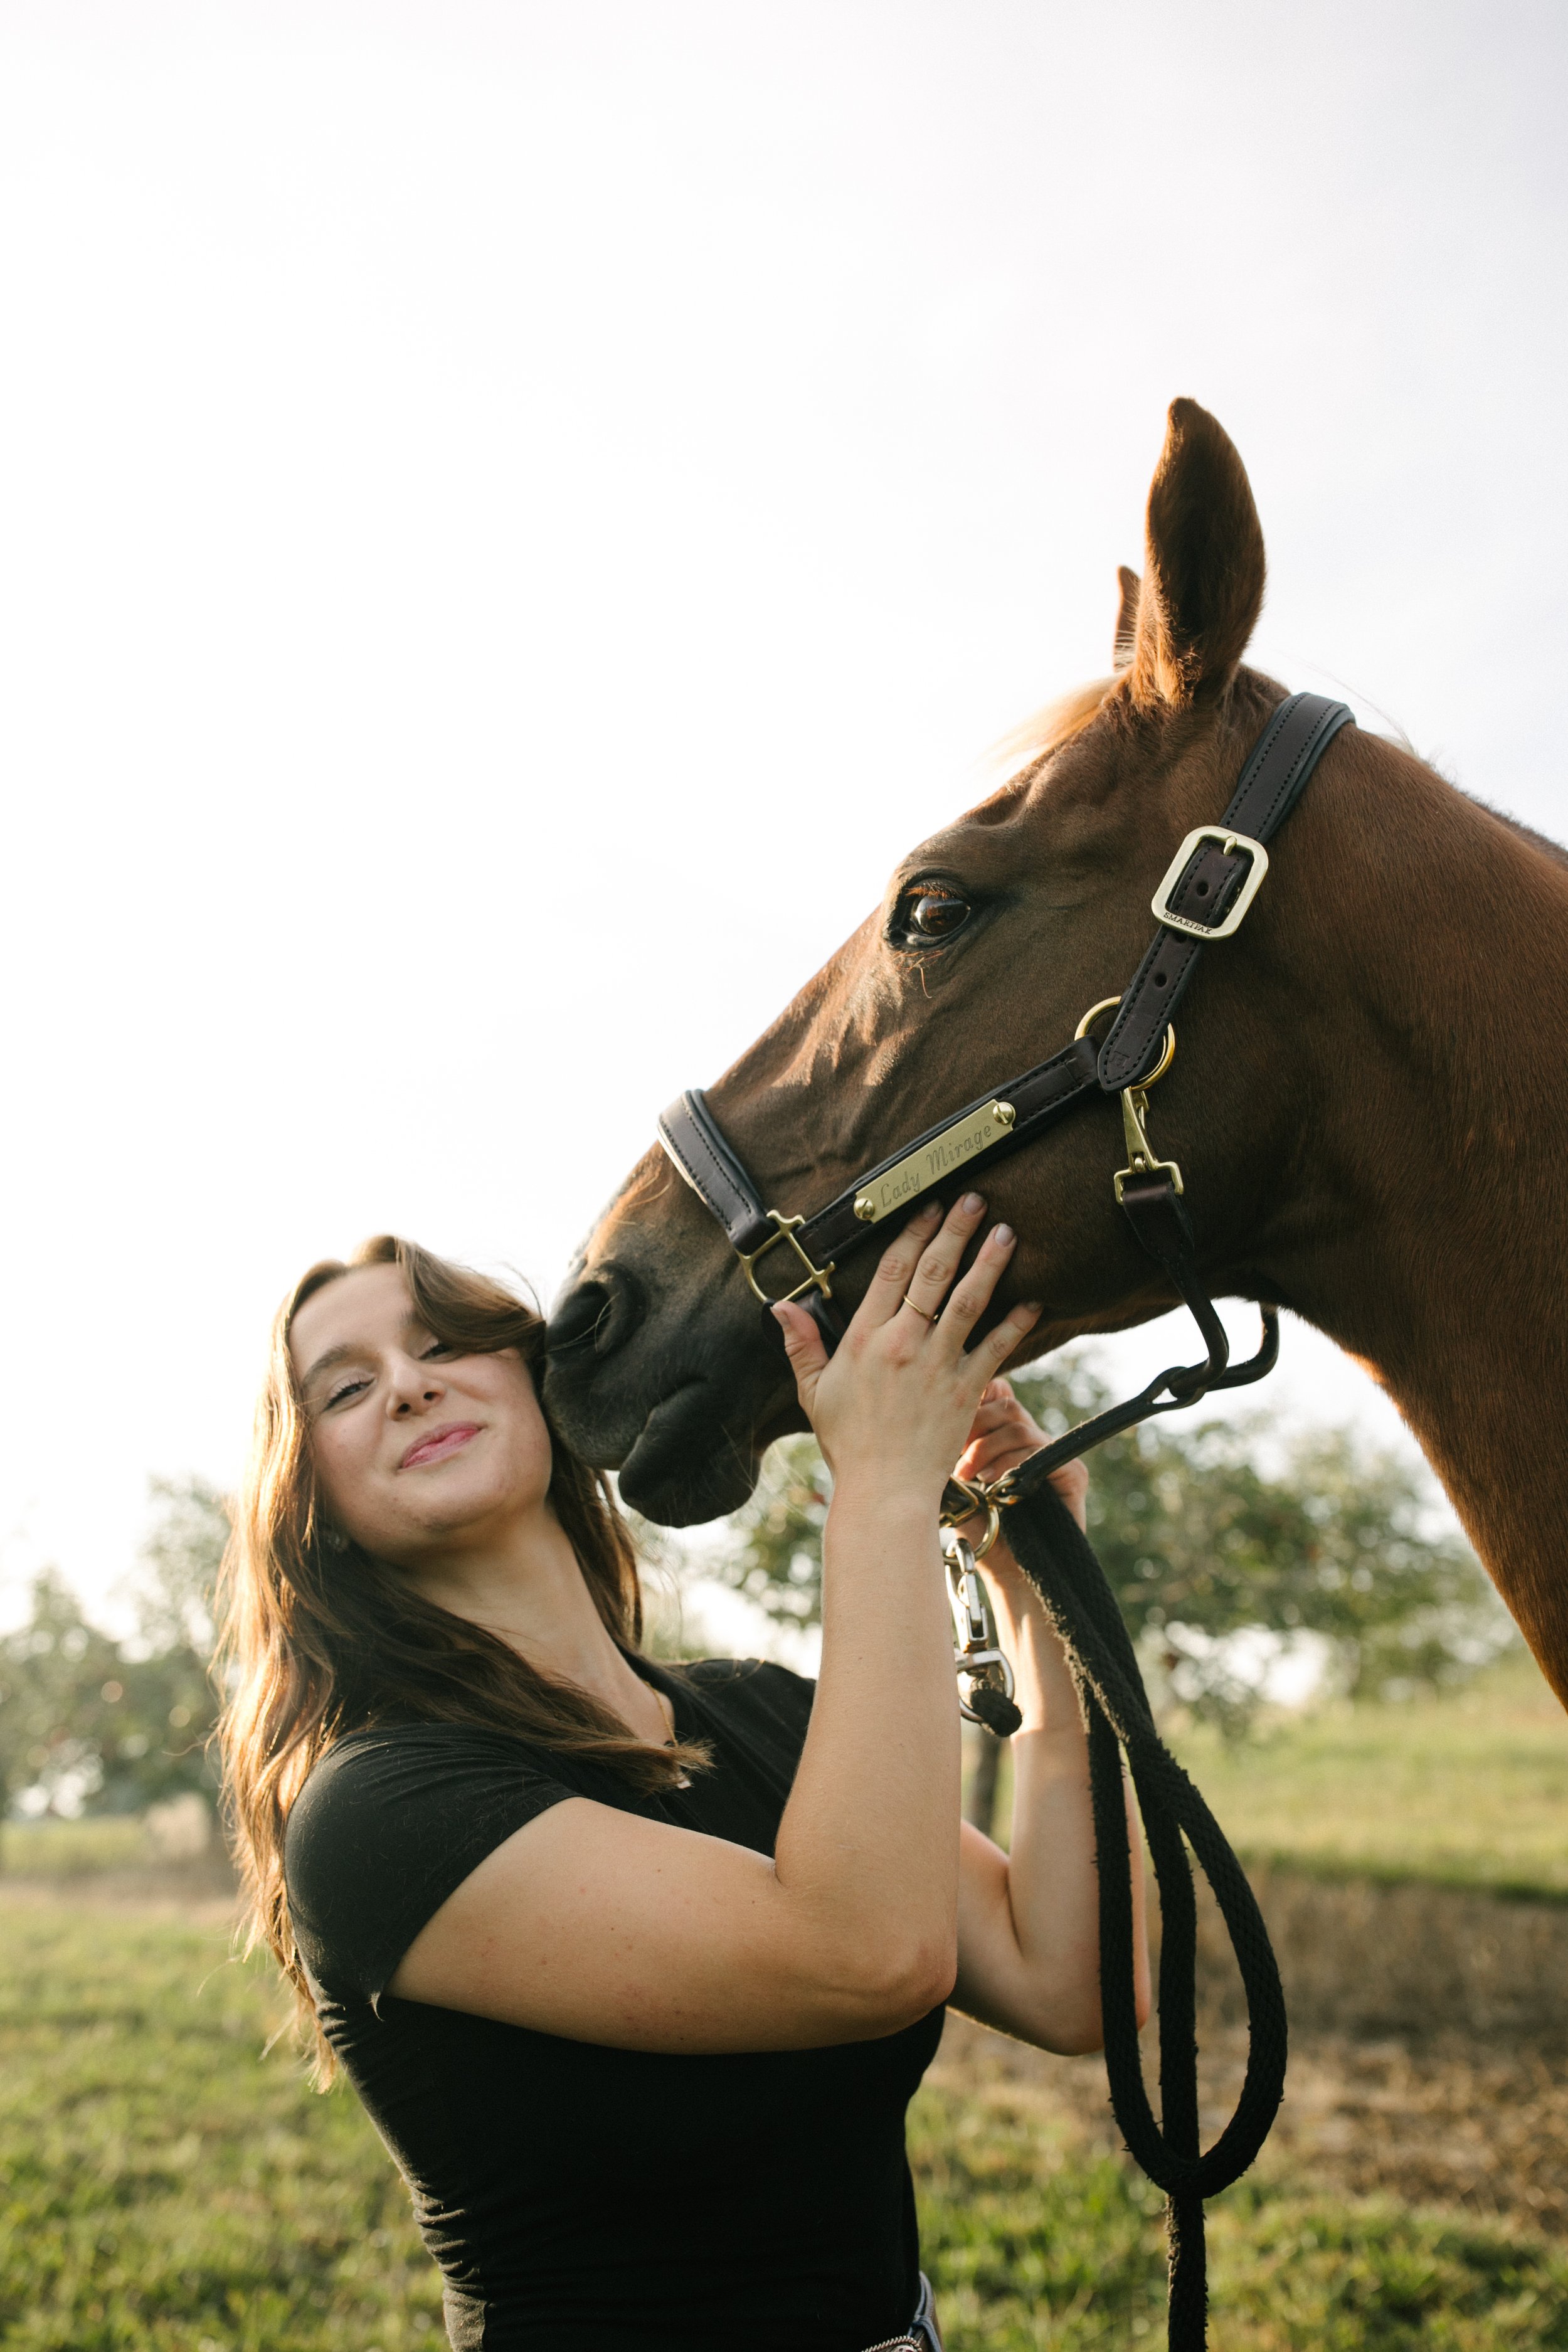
(417, 1450)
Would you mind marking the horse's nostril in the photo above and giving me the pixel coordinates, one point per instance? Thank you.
(573, 1316)
(600, 1312)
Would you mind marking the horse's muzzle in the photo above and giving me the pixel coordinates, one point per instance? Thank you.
(629, 1391)
(595, 1315)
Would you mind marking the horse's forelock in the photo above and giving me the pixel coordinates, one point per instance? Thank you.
(1049, 729)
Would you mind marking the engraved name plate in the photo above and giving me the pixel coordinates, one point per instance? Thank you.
(921, 1169)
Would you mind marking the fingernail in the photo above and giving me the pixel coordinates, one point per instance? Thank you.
(1003, 1237)
(972, 1204)
(1031, 1307)
(776, 1311)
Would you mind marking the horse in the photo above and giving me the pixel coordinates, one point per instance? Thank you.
(1363, 1104)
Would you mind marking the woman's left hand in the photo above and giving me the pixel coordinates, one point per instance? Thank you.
(1004, 1434)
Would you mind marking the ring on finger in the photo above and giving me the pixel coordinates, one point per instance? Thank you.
(926, 1314)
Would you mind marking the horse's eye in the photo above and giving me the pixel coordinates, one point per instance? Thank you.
(930, 911)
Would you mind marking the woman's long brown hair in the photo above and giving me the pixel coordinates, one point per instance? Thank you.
(317, 1639)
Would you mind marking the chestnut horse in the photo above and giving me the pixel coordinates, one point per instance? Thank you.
(1366, 1104)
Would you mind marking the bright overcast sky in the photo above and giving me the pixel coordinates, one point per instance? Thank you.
(514, 516)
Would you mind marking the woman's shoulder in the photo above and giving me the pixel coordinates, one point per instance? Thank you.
(386, 1782)
(750, 1692)
(396, 1760)
(389, 1821)
(752, 1674)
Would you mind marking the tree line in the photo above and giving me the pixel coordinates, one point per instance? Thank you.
(96, 1723)
(1203, 1536)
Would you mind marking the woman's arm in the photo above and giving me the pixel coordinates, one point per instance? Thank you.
(606, 1927)
(1028, 1920)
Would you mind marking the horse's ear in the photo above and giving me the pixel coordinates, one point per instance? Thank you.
(1126, 638)
(1202, 583)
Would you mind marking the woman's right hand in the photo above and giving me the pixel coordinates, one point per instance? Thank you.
(897, 1403)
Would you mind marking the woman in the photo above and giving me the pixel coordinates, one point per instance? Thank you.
(636, 1967)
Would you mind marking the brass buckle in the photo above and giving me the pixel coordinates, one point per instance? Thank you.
(815, 1276)
(1158, 906)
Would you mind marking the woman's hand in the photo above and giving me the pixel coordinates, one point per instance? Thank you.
(1005, 1433)
(900, 1396)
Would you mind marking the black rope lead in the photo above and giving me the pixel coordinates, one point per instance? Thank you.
(1062, 1565)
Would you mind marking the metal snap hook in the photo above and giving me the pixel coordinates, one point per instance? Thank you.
(978, 1658)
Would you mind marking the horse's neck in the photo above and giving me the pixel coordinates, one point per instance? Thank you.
(1436, 1240)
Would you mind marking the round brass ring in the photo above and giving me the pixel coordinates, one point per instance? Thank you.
(1105, 1005)
(981, 1500)
(1092, 1015)
(1166, 1058)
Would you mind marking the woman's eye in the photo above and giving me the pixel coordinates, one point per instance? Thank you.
(437, 1348)
(348, 1389)
(930, 911)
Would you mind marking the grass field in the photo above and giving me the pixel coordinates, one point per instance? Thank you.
(164, 2184)
(82, 1849)
(164, 2187)
(1469, 1790)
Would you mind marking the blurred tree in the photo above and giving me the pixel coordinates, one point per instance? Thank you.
(1201, 1544)
(181, 1556)
(775, 1557)
(90, 1724)
(59, 1685)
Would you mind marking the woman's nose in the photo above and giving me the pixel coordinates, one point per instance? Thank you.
(414, 1384)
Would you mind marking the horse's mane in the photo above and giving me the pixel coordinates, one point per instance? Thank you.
(1542, 841)
(1070, 713)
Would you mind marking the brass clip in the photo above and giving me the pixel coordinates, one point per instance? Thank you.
(1141, 1159)
(816, 1276)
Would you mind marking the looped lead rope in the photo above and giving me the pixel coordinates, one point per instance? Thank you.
(1062, 1565)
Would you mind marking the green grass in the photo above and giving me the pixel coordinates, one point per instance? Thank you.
(73, 1849)
(163, 2185)
(1467, 1789)
(1470, 1790)
(1030, 2250)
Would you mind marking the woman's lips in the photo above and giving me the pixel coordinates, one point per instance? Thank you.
(438, 1443)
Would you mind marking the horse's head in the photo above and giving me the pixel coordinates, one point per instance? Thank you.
(992, 939)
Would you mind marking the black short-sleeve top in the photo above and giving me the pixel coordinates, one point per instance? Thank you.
(581, 2198)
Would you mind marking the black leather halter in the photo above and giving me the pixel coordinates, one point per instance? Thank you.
(1204, 894)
